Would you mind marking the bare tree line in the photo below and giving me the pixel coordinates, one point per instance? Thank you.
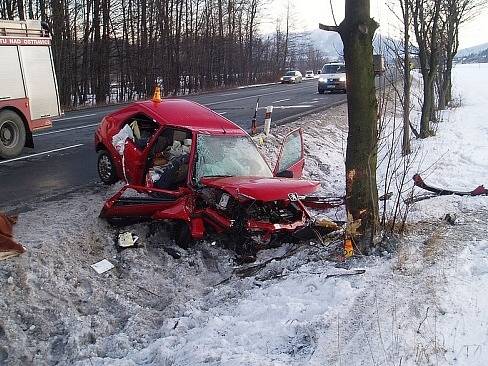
(433, 26)
(118, 49)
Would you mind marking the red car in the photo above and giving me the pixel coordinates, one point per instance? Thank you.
(185, 163)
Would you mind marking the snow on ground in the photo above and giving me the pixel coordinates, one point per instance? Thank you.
(422, 304)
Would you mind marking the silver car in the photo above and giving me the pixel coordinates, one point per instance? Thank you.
(292, 77)
(332, 78)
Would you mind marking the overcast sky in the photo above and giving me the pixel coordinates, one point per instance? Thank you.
(308, 13)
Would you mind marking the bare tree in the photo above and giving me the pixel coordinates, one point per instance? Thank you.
(427, 28)
(454, 13)
(357, 31)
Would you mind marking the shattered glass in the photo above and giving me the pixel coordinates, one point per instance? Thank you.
(228, 156)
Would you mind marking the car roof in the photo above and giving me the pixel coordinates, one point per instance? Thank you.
(190, 115)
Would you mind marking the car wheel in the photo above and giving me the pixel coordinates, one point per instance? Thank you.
(106, 168)
(12, 134)
(321, 91)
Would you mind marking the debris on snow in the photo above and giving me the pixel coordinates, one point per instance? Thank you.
(8, 246)
(127, 240)
(103, 266)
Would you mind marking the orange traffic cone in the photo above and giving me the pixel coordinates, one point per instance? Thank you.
(348, 249)
(157, 95)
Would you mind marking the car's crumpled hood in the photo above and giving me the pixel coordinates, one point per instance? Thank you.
(262, 189)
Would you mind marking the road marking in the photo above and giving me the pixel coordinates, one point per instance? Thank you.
(290, 106)
(65, 129)
(223, 95)
(252, 96)
(281, 100)
(222, 113)
(74, 117)
(41, 153)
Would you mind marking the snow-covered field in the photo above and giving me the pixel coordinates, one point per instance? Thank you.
(422, 304)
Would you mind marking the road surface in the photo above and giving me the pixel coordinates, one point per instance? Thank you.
(64, 157)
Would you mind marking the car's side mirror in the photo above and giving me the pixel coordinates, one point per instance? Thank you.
(285, 174)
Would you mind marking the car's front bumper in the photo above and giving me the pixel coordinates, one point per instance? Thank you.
(332, 85)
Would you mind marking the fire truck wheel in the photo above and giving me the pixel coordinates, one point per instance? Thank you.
(106, 168)
(12, 134)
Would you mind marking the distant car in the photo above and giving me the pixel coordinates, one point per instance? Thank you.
(292, 77)
(309, 74)
(332, 78)
(197, 169)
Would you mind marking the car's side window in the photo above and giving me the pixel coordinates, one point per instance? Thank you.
(168, 159)
(292, 151)
(143, 129)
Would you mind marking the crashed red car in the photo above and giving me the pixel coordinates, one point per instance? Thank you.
(185, 163)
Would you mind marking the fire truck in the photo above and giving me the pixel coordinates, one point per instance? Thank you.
(28, 89)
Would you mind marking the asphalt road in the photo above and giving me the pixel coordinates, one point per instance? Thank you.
(64, 157)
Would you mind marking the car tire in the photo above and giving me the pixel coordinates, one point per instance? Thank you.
(106, 168)
(12, 134)
(321, 91)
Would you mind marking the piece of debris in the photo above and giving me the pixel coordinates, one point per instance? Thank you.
(172, 252)
(450, 218)
(102, 266)
(127, 240)
(327, 223)
(8, 246)
(419, 182)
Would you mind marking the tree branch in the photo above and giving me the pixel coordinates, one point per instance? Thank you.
(332, 28)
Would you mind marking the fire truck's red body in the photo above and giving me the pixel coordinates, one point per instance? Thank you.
(28, 88)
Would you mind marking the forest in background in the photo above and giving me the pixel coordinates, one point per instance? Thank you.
(117, 50)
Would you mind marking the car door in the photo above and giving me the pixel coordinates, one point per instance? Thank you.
(134, 162)
(291, 159)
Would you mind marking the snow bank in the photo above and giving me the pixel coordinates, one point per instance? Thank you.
(160, 305)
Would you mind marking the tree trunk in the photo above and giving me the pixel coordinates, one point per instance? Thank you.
(357, 30)
(427, 107)
(406, 80)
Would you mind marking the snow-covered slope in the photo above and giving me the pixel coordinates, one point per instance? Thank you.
(422, 304)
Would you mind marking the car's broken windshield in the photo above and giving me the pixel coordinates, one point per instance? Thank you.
(228, 156)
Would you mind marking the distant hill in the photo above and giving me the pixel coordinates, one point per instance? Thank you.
(330, 43)
(476, 54)
(472, 50)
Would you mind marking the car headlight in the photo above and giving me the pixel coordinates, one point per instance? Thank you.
(322, 80)
(342, 78)
(281, 78)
